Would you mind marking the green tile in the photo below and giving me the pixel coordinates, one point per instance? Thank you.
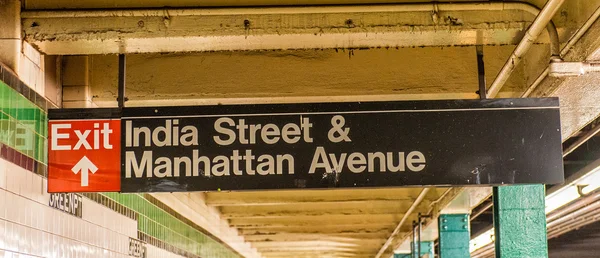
(4, 125)
(12, 102)
(44, 124)
(38, 120)
(12, 128)
(3, 96)
(20, 100)
(30, 142)
(45, 152)
(163, 226)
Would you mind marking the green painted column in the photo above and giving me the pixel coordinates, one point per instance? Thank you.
(520, 221)
(427, 248)
(402, 256)
(454, 235)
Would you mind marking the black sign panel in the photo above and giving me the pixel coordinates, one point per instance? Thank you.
(336, 145)
(371, 144)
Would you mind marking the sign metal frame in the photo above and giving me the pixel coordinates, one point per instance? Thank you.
(333, 145)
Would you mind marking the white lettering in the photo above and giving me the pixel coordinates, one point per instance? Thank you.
(132, 164)
(106, 131)
(163, 167)
(220, 129)
(268, 131)
(290, 133)
(319, 161)
(415, 157)
(57, 136)
(356, 162)
(82, 140)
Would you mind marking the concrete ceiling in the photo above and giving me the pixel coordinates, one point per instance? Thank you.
(116, 4)
(407, 55)
(321, 223)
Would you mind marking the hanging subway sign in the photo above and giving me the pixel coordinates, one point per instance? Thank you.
(329, 145)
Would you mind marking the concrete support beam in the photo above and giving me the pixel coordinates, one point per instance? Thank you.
(520, 221)
(357, 219)
(189, 30)
(10, 33)
(323, 229)
(345, 236)
(318, 209)
(307, 196)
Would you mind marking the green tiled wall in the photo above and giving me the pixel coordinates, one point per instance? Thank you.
(158, 223)
(23, 125)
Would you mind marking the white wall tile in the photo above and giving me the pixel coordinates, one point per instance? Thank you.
(3, 174)
(3, 205)
(28, 225)
(3, 234)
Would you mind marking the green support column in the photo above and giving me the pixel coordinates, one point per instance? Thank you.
(520, 221)
(454, 235)
(426, 250)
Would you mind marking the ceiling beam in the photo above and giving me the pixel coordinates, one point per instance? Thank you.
(304, 196)
(321, 229)
(317, 209)
(317, 241)
(372, 219)
(188, 30)
(320, 254)
(345, 236)
(314, 246)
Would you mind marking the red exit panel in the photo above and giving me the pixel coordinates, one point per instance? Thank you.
(84, 155)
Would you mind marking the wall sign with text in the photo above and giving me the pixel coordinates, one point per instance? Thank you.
(70, 203)
(317, 145)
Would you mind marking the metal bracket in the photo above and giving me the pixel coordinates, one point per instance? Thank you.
(580, 190)
(481, 73)
(121, 93)
(454, 222)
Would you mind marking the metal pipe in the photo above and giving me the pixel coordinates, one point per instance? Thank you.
(396, 231)
(482, 210)
(573, 207)
(121, 93)
(419, 236)
(566, 49)
(484, 251)
(575, 222)
(581, 140)
(414, 239)
(540, 23)
(575, 214)
(572, 226)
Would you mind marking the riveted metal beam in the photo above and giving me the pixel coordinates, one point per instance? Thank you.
(454, 235)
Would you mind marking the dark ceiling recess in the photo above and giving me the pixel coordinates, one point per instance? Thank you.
(574, 243)
(581, 243)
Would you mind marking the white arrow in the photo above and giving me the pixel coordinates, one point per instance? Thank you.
(85, 165)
